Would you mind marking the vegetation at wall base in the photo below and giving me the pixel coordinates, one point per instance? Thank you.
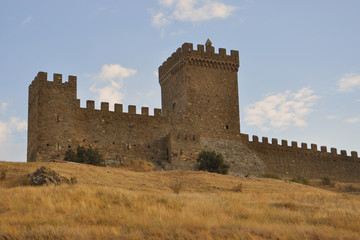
(300, 179)
(212, 162)
(85, 155)
(270, 175)
(3, 174)
(326, 181)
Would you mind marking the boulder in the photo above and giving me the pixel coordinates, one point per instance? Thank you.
(46, 176)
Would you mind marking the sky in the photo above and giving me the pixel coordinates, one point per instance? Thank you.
(299, 75)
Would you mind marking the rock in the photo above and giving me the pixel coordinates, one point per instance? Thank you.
(46, 176)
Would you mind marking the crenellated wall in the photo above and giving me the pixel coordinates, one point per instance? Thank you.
(58, 123)
(291, 160)
(200, 110)
(204, 56)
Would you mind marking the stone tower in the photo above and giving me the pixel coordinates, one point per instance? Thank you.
(201, 85)
(52, 114)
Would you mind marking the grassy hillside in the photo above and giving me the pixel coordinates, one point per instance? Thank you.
(113, 203)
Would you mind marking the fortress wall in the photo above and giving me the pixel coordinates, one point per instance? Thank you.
(182, 149)
(241, 159)
(123, 135)
(291, 160)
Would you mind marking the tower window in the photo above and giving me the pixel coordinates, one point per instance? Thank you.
(226, 127)
(174, 105)
(58, 117)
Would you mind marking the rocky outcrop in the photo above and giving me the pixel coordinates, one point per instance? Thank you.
(46, 176)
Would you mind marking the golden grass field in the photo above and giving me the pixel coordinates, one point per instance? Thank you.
(115, 203)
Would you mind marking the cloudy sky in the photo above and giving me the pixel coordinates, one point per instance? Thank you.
(299, 76)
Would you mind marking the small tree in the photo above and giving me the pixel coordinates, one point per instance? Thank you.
(85, 155)
(212, 162)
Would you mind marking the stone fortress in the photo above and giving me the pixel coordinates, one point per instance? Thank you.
(200, 110)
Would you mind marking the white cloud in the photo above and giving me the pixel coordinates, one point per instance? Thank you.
(13, 125)
(27, 20)
(281, 110)
(349, 83)
(190, 11)
(167, 3)
(353, 120)
(109, 81)
(115, 71)
(17, 124)
(4, 131)
(160, 20)
(3, 107)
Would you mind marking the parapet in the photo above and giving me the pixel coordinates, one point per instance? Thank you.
(118, 109)
(294, 147)
(57, 79)
(202, 56)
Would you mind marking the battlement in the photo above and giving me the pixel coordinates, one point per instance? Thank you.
(118, 109)
(203, 56)
(57, 79)
(295, 148)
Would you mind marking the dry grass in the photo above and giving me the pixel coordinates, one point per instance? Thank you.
(112, 203)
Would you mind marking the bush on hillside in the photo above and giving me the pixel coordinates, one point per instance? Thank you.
(85, 155)
(270, 175)
(300, 179)
(3, 173)
(212, 162)
(326, 181)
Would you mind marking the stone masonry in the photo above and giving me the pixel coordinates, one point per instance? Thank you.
(200, 110)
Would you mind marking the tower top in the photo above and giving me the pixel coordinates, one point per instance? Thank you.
(203, 56)
(208, 43)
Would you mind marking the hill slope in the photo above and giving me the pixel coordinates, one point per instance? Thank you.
(113, 203)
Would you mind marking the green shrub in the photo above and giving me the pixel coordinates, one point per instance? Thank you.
(300, 179)
(3, 173)
(326, 181)
(270, 175)
(351, 188)
(212, 162)
(85, 155)
(73, 180)
(25, 181)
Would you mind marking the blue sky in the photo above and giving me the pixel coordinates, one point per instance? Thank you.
(299, 76)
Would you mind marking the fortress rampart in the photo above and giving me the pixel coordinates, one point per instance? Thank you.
(200, 110)
(289, 160)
